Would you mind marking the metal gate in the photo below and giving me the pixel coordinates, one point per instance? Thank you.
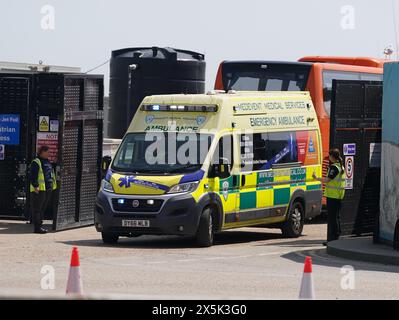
(356, 130)
(73, 103)
(15, 100)
(81, 151)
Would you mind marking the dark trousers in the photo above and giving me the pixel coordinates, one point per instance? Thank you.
(333, 221)
(39, 203)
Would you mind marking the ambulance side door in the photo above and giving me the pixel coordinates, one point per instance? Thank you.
(220, 174)
(255, 195)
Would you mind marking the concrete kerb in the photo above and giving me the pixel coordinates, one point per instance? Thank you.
(363, 249)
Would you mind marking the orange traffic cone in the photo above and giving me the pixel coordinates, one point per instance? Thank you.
(307, 290)
(74, 284)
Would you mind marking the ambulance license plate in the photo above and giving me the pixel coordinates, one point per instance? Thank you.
(136, 223)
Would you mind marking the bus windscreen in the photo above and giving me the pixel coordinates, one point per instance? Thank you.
(267, 76)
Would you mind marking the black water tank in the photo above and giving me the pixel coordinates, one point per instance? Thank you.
(139, 72)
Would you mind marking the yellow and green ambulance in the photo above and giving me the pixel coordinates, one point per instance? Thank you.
(200, 164)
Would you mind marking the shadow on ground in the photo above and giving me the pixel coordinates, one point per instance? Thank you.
(19, 227)
(173, 242)
(297, 242)
(321, 258)
(320, 219)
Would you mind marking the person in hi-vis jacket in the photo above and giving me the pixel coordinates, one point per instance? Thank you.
(334, 192)
(42, 184)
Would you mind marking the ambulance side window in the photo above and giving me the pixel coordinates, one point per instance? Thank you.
(281, 147)
(253, 149)
(224, 151)
(260, 151)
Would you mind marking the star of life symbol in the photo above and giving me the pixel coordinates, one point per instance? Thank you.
(225, 189)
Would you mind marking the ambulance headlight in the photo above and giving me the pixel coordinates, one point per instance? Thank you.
(184, 187)
(106, 186)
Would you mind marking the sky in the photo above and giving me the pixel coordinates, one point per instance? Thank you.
(83, 33)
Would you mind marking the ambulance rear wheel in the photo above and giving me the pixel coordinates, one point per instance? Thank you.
(293, 226)
(109, 238)
(204, 235)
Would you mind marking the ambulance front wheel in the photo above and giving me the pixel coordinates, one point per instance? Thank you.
(204, 235)
(293, 226)
(109, 238)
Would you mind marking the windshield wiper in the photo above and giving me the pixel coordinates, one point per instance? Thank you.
(125, 171)
(156, 171)
(152, 171)
(185, 167)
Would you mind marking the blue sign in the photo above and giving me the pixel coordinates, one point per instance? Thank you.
(9, 128)
(311, 146)
(349, 149)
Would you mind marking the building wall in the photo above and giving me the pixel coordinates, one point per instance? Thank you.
(389, 200)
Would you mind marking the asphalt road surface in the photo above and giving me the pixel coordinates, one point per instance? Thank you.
(247, 263)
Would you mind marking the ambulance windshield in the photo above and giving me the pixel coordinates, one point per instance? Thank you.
(162, 153)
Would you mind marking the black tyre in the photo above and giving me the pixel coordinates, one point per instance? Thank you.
(109, 238)
(293, 226)
(204, 235)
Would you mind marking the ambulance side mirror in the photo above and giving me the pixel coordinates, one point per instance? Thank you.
(105, 163)
(225, 170)
(220, 170)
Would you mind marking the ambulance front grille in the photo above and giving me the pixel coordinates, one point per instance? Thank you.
(143, 206)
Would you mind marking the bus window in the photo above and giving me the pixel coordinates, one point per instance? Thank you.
(242, 81)
(265, 76)
(329, 76)
(371, 77)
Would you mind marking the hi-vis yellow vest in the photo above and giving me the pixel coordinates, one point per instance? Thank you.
(336, 187)
(40, 178)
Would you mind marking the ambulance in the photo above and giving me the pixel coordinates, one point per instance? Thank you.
(196, 165)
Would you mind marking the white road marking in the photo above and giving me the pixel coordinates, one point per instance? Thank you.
(272, 253)
(233, 257)
(241, 257)
(214, 258)
(187, 260)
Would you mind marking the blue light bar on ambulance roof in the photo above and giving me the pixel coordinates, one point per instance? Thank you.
(178, 108)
